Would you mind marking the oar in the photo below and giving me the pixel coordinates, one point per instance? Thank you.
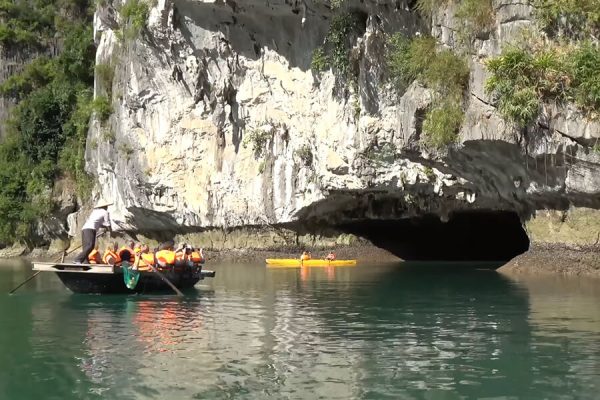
(62, 258)
(24, 282)
(166, 280)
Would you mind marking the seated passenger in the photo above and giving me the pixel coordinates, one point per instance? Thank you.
(165, 257)
(196, 256)
(144, 260)
(126, 253)
(330, 256)
(182, 254)
(95, 257)
(110, 255)
(168, 245)
(305, 256)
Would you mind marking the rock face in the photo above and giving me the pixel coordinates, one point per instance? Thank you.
(219, 121)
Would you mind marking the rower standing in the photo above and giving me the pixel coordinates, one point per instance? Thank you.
(99, 218)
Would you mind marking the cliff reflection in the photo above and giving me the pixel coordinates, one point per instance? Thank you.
(565, 321)
(396, 331)
(574, 310)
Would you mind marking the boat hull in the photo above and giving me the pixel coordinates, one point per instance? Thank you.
(113, 283)
(102, 279)
(294, 263)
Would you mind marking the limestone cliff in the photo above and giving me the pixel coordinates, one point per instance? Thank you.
(219, 121)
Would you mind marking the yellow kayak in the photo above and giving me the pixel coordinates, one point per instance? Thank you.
(292, 262)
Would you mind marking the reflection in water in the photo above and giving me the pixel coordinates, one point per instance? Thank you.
(565, 318)
(562, 304)
(398, 331)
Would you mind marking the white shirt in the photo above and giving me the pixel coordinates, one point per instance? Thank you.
(98, 218)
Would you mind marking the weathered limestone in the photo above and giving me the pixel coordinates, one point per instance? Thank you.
(208, 76)
(575, 227)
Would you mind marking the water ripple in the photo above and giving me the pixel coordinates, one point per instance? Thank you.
(367, 332)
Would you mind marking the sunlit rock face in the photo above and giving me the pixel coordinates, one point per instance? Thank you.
(219, 121)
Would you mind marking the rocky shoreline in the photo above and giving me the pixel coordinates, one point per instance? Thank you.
(540, 259)
(360, 252)
(557, 260)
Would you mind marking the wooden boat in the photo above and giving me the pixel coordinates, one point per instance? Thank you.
(295, 263)
(104, 278)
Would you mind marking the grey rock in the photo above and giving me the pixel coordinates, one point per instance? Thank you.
(208, 76)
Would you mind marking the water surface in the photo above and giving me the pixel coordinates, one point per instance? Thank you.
(396, 331)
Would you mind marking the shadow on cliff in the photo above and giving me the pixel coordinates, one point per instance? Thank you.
(288, 28)
(247, 28)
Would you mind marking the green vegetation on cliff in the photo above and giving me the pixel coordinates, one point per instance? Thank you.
(26, 23)
(335, 52)
(134, 14)
(440, 70)
(47, 129)
(472, 16)
(523, 78)
(578, 19)
(562, 68)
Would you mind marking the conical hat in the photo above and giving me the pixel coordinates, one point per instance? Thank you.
(103, 203)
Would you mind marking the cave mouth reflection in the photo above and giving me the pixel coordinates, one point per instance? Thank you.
(466, 236)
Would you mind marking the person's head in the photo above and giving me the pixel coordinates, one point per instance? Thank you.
(115, 246)
(131, 244)
(168, 245)
(145, 248)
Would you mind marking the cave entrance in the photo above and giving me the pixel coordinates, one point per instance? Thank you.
(467, 236)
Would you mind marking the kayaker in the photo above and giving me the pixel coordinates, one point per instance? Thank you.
(99, 218)
(330, 256)
(305, 256)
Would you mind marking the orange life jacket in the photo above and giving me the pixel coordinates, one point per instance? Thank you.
(94, 257)
(144, 261)
(110, 257)
(165, 257)
(181, 256)
(196, 257)
(125, 253)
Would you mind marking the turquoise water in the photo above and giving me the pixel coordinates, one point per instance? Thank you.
(368, 332)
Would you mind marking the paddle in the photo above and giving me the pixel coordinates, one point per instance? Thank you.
(62, 259)
(166, 280)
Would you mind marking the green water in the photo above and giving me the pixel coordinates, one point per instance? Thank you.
(368, 332)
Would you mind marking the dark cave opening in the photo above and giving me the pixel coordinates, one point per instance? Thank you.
(467, 236)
